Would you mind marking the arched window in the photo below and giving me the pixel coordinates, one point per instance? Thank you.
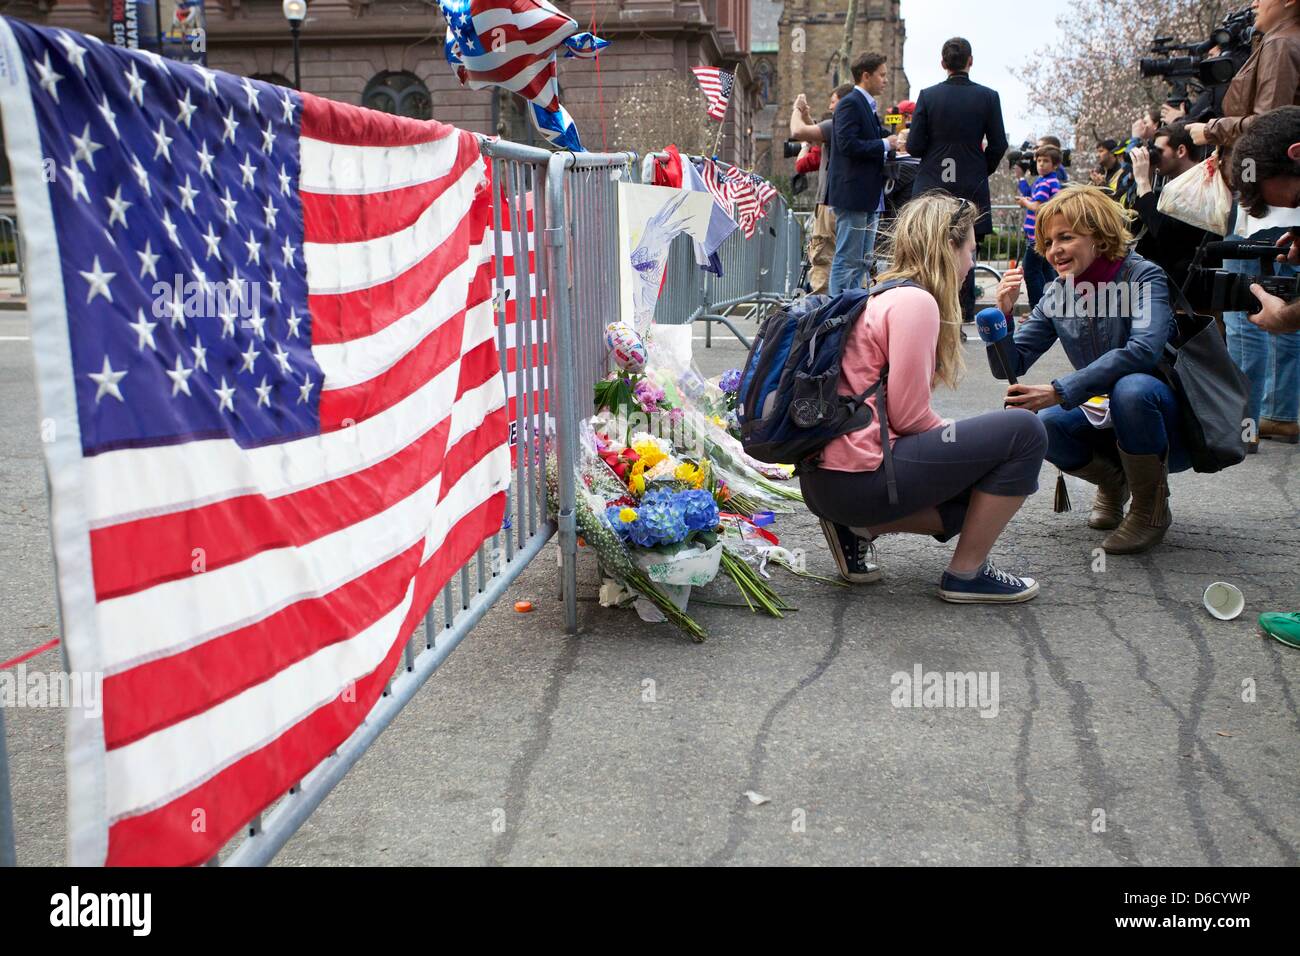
(400, 93)
(278, 79)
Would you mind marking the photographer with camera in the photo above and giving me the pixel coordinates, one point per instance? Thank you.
(1266, 172)
(1038, 271)
(1270, 78)
(1168, 242)
(818, 137)
(1270, 150)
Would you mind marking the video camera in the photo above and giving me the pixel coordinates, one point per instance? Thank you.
(1024, 158)
(1216, 290)
(790, 148)
(1182, 64)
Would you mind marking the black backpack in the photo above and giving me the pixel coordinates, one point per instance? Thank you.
(789, 408)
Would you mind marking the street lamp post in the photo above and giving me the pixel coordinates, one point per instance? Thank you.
(295, 11)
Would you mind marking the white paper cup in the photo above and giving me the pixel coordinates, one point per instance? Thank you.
(1225, 601)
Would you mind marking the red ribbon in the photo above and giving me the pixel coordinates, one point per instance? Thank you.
(30, 654)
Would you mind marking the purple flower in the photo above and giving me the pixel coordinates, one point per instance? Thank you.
(648, 395)
(730, 381)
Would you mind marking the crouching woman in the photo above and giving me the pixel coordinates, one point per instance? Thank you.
(964, 478)
(1110, 310)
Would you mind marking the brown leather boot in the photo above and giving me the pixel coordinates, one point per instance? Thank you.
(1148, 516)
(1112, 492)
(1274, 430)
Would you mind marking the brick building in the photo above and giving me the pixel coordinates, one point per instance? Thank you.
(388, 54)
(811, 31)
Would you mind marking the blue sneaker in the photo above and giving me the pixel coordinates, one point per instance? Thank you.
(990, 586)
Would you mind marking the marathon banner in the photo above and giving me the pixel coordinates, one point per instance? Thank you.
(133, 24)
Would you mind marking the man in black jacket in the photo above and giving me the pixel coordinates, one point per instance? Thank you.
(855, 181)
(1166, 241)
(958, 134)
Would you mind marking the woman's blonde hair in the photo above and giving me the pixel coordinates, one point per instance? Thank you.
(1087, 210)
(922, 246)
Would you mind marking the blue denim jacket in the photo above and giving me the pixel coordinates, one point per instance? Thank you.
(1122, 332)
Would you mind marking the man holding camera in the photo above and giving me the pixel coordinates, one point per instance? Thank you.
(1266, 172)
(953, 120)
(821, 240)
(1166, 241)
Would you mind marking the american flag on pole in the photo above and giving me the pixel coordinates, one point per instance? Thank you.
(264, 336)
(716, 85)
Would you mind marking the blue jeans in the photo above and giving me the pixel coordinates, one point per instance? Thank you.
(855, 241)
(1038, 273)
(1145, 418)
(1270, 362)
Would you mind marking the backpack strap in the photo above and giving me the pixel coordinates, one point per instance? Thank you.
(882, 400)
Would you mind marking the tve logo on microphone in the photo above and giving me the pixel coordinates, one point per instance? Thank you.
(992, 324)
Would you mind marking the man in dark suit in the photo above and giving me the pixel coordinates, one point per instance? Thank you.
(957, 131)
(855, 181)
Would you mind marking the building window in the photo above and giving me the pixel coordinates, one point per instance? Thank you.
(399, 93)
(278, 79)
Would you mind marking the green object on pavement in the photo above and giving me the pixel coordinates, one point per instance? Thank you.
(1283, 626)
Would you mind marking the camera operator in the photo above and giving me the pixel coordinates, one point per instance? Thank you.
(1168, 242)
(1271, 149)
(1145, 126)
(821, 238)
(1172, 110)
(1269, 78)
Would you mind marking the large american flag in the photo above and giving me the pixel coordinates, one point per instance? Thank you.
(716, 85)
(254, 503)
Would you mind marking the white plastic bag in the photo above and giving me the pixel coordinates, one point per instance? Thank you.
(1200, 198)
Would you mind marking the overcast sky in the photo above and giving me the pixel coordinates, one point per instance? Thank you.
(1003, 35)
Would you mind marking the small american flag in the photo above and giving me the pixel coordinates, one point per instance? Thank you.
(745, 194)
(253, 502)
(716, 85)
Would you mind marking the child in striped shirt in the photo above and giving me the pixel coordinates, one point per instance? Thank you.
(1038, 272)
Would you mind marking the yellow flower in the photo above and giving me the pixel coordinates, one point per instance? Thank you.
(649, 452)
(637, 485)
(627, 515)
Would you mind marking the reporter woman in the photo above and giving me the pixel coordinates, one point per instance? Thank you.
(1110, 310)
(967, 477)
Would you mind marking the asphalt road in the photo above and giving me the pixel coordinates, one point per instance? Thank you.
(1121, 733)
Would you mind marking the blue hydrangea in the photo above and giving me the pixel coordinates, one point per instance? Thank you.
(662, 514)
(700, 511)
(730, 381)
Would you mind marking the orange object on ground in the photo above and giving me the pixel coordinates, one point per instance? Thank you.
(523, 606)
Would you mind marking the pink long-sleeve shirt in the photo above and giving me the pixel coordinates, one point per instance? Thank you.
(901, 327)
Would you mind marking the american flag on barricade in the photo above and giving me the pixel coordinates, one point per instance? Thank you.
(716, 85)
(745, 194)
(266, 341)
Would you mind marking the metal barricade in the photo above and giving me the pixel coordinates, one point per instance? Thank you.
(1006, 244)
(555, 241)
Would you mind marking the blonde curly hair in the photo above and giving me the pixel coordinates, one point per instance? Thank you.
(1089, 210)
